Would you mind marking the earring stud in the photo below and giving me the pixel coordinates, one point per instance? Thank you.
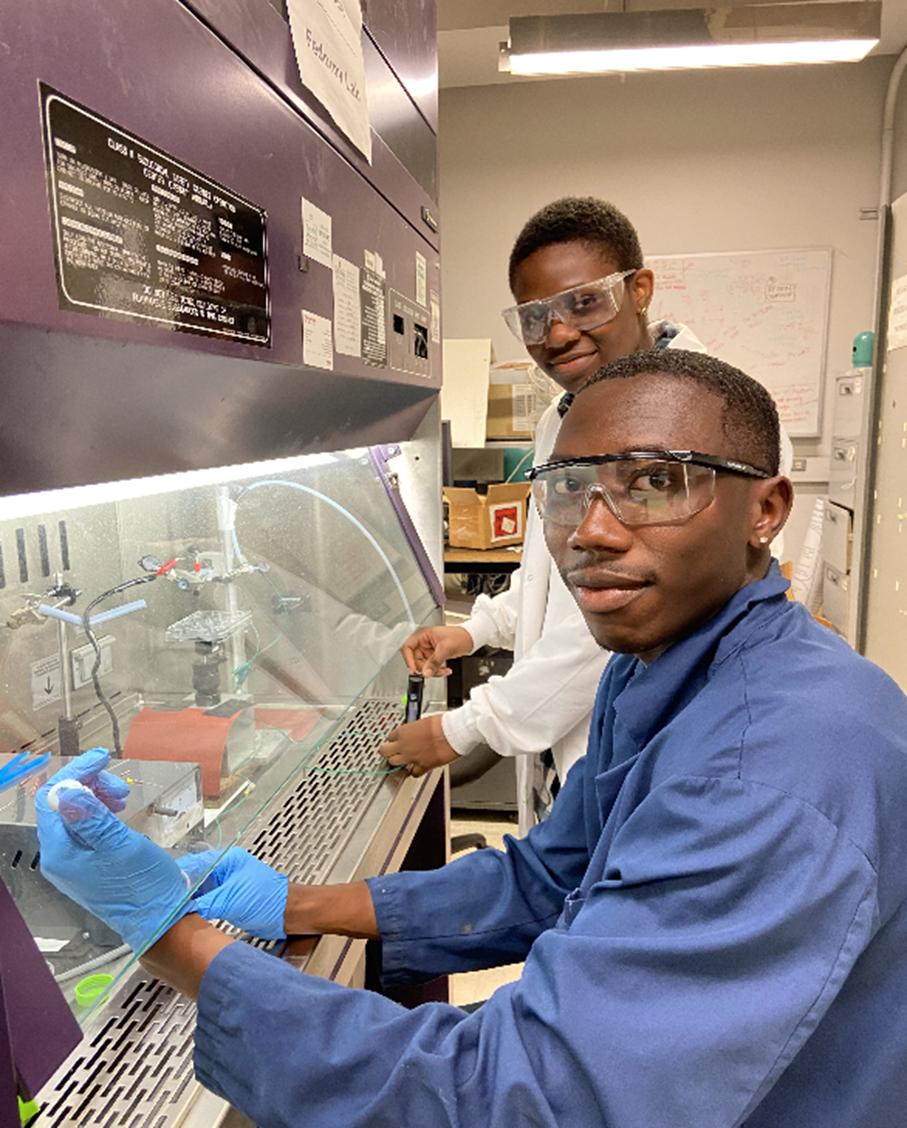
(763, 540)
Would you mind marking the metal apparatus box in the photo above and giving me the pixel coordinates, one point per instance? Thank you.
(164, 803)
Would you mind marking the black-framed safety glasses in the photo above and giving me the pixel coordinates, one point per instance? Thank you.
(640, 487)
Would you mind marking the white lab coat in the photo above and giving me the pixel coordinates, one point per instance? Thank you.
(545, 700)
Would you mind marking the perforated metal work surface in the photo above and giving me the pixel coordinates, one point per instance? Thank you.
(314, 822)
(133, 1068)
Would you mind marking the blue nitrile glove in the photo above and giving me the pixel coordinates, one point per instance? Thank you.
(88, 769)
(243, 891)
(127, 880)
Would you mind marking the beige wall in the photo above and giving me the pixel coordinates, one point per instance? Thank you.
(710, 161)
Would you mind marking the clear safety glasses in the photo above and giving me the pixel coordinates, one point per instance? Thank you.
(640, 487)
(581, 307)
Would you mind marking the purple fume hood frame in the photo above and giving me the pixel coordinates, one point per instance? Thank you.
(380, 456)
(38, 1030)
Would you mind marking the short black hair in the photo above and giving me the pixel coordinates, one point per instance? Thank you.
(579, 219)
(749, 417)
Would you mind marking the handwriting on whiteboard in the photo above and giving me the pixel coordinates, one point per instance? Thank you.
(764, 311)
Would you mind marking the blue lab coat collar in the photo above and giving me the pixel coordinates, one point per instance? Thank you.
(653, 694)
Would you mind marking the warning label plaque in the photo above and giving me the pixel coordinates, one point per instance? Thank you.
(139, 235)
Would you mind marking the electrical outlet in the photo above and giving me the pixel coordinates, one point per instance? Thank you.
(83, 658)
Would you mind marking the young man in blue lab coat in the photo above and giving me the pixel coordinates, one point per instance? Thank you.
(714, 916)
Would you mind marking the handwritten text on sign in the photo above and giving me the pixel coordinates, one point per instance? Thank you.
(327, 38)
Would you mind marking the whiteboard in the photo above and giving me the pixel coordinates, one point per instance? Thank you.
(765, 312)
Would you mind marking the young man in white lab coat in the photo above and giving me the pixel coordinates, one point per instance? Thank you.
(577, 274)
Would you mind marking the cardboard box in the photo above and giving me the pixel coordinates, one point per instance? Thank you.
(511, 411)
(493, 520)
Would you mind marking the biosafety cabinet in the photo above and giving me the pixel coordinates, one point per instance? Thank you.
(219, 464)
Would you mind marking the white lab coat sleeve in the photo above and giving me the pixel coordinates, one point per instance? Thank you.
(492, 623)
(493, 619)
(547, 694)
(543, 696)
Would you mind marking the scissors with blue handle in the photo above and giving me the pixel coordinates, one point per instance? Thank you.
(20, 767)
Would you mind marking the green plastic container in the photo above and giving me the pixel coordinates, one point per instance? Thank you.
(91, 988)
(28, 1110)
(862, 350)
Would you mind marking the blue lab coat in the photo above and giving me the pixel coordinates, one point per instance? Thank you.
(713, 921)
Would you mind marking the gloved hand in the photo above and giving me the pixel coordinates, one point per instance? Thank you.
(127, 880)
(243, 891)
(87, 769)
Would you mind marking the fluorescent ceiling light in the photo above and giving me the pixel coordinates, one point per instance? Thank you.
(756, 35)
(78, 497)
(673, 58)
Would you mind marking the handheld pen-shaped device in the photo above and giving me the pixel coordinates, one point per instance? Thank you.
(414, 688)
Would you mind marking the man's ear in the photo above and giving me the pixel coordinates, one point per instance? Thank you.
(641, 287)
(772, 500)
